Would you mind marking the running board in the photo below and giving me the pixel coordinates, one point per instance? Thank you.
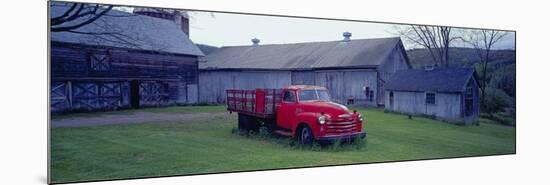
(284, 133)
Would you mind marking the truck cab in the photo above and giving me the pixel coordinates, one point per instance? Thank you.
(303, 112)
(310, 115)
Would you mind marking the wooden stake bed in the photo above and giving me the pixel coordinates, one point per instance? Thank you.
(258, 102)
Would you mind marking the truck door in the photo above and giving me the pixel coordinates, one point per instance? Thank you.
(286, 109)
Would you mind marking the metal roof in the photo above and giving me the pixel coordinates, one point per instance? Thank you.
(142, 32)
(311, 55)
(436, 80)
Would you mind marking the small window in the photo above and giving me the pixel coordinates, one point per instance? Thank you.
(430, 98)
(289, 97)
(100, 62)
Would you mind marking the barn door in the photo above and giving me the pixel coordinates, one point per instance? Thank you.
(96, 95)
(85, 96)
(152, 94)
(391, 100)
(134, 94)
(59, 97)
(110, 95)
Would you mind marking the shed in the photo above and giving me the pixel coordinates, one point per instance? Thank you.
(155, 63)
(354, 71)
(450, 94)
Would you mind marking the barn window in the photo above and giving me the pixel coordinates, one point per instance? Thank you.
(100, 62)
(430, 98)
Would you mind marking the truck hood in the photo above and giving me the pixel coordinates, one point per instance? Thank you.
(330, 108)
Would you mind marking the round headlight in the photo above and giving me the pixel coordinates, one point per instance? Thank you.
(322, 119)
(360, 117)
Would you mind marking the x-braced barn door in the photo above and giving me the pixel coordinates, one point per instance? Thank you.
(60, 99)
(152, 94)
(90, 95)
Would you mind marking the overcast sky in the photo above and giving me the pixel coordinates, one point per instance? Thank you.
(223, 29)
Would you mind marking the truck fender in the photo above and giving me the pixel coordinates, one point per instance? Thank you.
(308, 118)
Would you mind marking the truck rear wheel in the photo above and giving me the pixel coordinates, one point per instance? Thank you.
(248, 123)
(305, 136)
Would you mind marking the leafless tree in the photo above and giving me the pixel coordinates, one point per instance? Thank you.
(436, 39)
(80, 14)
(483, 41)
(77, 15)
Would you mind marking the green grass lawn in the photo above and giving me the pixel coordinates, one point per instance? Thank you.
(144, 150)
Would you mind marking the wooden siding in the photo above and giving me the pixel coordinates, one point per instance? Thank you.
(214, 83)
(341, 84)
(395, 62)
(91, 78)
(448, 106)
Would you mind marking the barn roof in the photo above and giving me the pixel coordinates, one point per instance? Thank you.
(312, 55)
(436, 80)
(141, 32)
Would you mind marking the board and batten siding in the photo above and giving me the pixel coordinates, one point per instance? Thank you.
(213, 84)
(342, 84)
(159, 79)
(395, 62)
(448, 106)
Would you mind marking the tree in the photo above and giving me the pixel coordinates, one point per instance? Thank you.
(73, 16)
(77, 15)
(483, 41)
(436, 39)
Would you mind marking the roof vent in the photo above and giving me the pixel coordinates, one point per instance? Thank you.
(347, 36)
(255, 41)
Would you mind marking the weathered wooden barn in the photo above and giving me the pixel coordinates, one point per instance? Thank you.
(354, 71)
(123, 60)
(450, 94)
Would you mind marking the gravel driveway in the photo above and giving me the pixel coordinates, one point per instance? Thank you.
(136, 117)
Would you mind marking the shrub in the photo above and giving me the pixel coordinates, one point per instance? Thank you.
(496, 100)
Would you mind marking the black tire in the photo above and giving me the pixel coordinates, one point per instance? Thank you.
(271, 125)
(305, 135)
(248, 124)
(243, 123)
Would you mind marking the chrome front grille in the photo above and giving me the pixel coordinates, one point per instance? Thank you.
(335, 128)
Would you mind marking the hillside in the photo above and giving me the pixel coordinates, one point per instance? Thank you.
(461, 57)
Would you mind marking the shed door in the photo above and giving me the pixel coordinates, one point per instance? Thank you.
(391, 100)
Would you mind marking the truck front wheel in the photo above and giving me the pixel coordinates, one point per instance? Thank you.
(305, 136)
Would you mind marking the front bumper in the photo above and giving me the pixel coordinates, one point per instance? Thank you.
(342, 138)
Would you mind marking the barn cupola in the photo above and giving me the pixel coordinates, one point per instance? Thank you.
(255, 41)
(179, 17)
(347, 36)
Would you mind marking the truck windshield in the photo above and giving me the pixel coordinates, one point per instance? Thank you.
(314, 94)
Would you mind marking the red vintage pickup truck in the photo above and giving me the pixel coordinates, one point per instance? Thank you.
(303, 112)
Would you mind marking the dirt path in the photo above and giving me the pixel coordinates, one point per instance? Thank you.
(136, 117)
